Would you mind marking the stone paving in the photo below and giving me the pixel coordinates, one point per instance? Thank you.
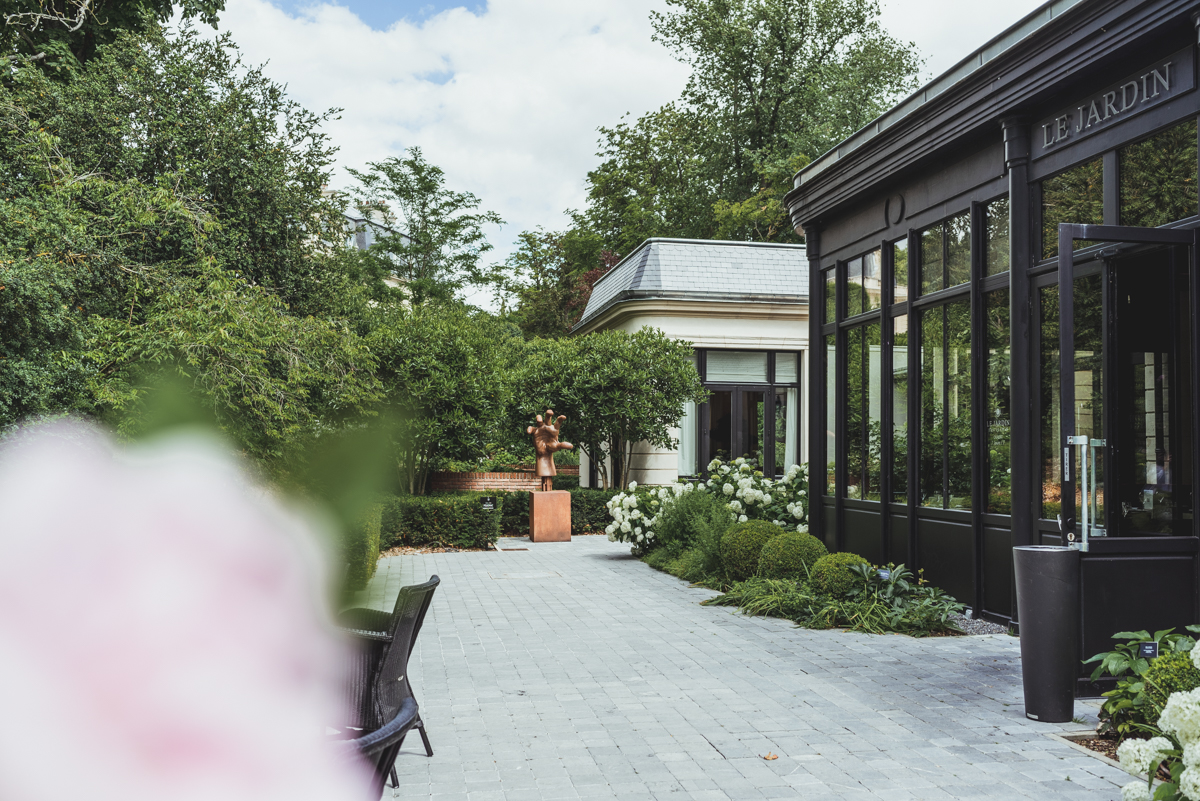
(572, 670)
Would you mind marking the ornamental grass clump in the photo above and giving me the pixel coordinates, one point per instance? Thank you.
(832, 574)
(790, 555)
(742, 545)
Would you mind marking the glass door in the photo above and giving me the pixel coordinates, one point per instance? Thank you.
(1126, 373)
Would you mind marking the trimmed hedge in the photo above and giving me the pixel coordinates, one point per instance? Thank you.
(832, 574)
(1172, 672)
(791, 554)
(589, 514)
(742, 545)
(458, 520)
(361, 549)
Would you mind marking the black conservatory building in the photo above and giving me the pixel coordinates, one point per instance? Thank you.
(1028, 372)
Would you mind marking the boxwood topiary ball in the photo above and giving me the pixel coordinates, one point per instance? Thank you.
(741, 546)
(790, 554)
(1173, 672)
(832, 574)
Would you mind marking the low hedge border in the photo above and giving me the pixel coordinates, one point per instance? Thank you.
(457, 520)
(361, 549)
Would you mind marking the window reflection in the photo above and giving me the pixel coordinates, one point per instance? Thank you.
(900, 270)
(931, 260)
(996, 252)
(830, 295)
(830, 414)
(872, 272)
(958, 250)
(854, 288)
(900, 409)
(1051, 439)
(945, 464)
(1158, 178)
(998, 403)
(1075, 196)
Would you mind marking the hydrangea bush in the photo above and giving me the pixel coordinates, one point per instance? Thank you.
(749, 496)
(1177, 745)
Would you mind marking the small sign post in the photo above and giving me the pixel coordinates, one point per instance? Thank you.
(1148, 650)
(488, 502)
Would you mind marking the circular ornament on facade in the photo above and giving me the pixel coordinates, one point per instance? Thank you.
(893, 210)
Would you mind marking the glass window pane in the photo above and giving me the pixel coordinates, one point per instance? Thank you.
(720, 421)
(1051, 445)
(1158, 178)
(933, 406)
(900, 410)
(1089, 375)
(737, 366)
(900, 270)
(753, 416)
(1075, 196)
(998, 402)
(787, 416)
(785, 368)
(830, 414)
(854, 288)
(687, 440)
(958, 249)
(996, 253)
(830, 295)
(873, 432)
(856, 385)
(931, 260)
(958, 405)
(872, 271)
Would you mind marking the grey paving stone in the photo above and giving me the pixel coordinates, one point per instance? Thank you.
(605, 679)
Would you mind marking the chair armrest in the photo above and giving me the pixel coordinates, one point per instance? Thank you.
(374, 636)
(366, 620)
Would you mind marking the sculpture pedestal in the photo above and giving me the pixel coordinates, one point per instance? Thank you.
(550, 516)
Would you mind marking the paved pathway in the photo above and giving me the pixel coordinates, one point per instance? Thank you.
(571, 670)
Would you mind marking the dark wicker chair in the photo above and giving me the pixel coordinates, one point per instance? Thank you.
(379, 677)
(379, 748)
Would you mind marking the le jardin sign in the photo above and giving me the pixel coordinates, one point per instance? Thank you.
(1162, 81)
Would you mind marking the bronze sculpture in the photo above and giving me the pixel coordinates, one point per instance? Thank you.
(545, 444)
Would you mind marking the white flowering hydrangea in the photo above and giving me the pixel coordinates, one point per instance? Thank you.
(749, 495)
(1189, 782)
(1135, 791)
(1139, 756)
(1181, 717)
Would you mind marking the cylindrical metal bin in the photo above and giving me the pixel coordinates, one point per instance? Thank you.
(1047, 578)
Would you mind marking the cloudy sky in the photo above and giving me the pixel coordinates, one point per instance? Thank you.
(506, 95)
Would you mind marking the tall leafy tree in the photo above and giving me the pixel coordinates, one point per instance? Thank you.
(433, 237)
(616, 389)
(551, 276)
(60, 35)
(771, 81)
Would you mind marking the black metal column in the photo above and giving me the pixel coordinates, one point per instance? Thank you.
(1021, 325)
(886, 446)
(816, 385)
(979, 377)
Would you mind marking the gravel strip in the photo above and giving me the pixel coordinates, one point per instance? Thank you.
(977, 626)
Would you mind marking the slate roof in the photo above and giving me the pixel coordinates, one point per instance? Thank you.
(705, 270)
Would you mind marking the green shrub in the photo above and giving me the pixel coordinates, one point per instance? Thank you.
(1172, 672)
(458, 520)
(832, 574)
(514, 518)
(568, 483)
(588, 511)
(741, 546)
(790, 555)
(679, 524)
(361, 549)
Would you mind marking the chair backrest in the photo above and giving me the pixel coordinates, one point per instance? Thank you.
(391, 678)
(380, 747)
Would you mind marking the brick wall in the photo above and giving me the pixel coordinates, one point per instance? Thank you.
(449, 482)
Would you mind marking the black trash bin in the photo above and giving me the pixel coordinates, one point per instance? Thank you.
(1047, 579)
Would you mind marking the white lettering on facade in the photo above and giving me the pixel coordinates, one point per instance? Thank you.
(1113, 103)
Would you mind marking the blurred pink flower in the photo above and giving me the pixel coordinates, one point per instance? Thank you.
(162, 631)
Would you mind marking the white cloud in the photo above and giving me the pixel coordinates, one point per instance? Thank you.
(507, 101)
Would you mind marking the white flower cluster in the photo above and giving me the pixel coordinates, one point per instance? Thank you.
(750, 496)
(635, 512)
(1180, 719)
